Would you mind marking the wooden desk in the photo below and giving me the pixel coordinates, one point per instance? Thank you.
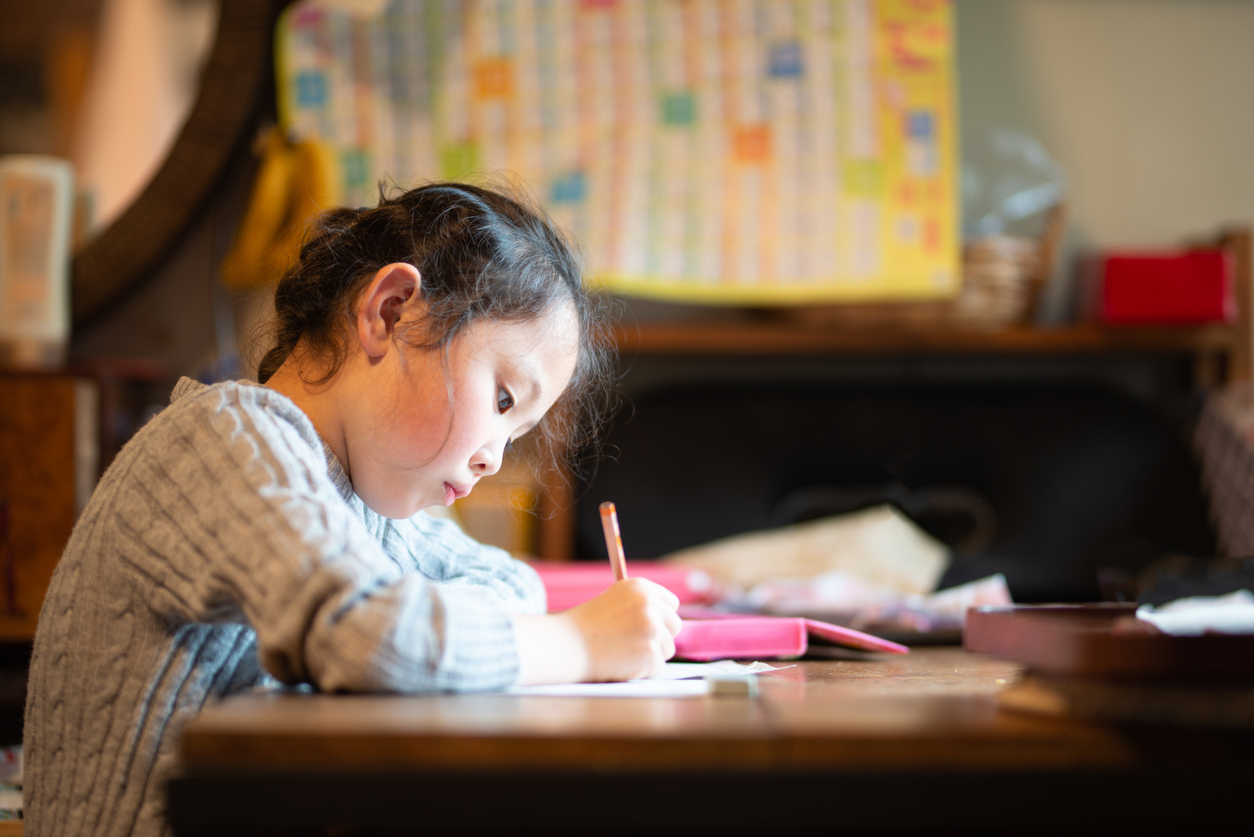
(890, 744)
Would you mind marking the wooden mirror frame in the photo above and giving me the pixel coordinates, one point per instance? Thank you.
(122, 256)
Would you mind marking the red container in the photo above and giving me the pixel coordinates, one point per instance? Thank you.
(1167, 288)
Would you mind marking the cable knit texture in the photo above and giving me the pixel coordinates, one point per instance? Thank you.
(223, 547)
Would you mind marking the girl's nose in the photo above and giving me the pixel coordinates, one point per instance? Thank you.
(487, 460)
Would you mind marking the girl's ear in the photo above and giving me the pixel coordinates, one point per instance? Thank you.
(382, 302)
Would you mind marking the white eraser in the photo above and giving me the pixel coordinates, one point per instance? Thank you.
(733, 685)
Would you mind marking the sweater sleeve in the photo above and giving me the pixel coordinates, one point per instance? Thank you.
(441, 551)
(234, 516)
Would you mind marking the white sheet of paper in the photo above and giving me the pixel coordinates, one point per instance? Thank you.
(676, 680)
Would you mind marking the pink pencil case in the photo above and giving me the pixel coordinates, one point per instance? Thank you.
(707, 634)
(573, 583)
(742, 637)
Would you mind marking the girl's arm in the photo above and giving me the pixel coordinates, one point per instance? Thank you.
(627, 632)
(229, 515)
(233, 517)
(441, 551)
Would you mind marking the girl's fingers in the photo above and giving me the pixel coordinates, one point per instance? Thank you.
(668, 647)
(670, 598)
(656, 591)
(672, 622)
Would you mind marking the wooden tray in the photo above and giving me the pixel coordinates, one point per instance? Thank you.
(1105, 641)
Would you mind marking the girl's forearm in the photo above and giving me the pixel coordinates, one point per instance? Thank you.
(551, 649)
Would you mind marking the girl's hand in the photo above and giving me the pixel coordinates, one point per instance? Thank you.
(626, 632)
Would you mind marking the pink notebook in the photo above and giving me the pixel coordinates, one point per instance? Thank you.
(742, 637)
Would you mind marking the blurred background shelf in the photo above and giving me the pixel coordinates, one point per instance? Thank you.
(778, 337)
(1222, 351)
(1152, 377)
(1006, 411)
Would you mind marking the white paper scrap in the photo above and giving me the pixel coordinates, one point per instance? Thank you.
(1197, 615)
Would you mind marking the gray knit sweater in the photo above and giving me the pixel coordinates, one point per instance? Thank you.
(224, 545)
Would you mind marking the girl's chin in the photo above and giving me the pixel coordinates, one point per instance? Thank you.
(396, 510)
(400, 501)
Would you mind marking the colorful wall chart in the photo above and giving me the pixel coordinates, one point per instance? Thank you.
(739, 151)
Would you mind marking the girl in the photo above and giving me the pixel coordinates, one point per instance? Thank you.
(253, 532)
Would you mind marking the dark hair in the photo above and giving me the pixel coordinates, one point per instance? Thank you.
(481, 254)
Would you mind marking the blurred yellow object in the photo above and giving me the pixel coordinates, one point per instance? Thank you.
(296, 182)
(501, 511)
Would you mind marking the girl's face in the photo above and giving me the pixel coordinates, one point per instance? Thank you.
(429, 428)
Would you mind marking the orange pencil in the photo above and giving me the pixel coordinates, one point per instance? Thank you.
(613, 540)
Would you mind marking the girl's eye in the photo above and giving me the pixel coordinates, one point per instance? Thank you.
(509, 444)
(504, 400)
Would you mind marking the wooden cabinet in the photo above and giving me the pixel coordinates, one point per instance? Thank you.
(48, 465)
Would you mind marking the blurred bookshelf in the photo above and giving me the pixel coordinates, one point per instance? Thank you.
(1217, 354)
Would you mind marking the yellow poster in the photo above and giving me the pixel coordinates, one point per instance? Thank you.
(719, 151)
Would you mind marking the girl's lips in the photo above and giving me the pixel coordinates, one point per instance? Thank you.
(452, 493)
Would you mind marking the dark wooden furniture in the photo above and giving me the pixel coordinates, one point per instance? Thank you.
(58, 431)
(1106, 642)
(916, 742)
(49, 456)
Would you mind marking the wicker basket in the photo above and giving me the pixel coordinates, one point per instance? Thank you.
(1224, 440)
